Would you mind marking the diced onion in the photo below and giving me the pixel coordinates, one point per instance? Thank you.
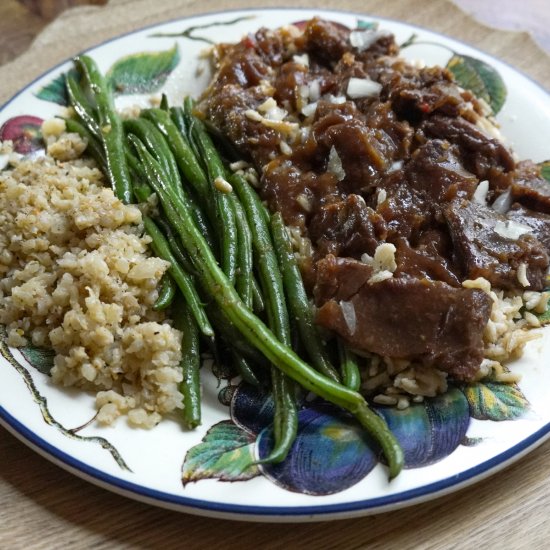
(336, 99)
(397, 165)
(301, 59)
(309, 109)
(363, 87)
(511, 230)
(480, 195)
(271, 110)
(348, 312)
(363, 40)
(334, 165)
(522, 275)
(503, 202)
(314, 90)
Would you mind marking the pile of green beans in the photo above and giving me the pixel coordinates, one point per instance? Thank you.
(233, 278)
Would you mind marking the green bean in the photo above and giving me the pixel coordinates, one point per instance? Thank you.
(185, 122)
(93, 146)
(286, 415)
(190, 123)
(164, 103)
(82, 107)
(285, 422)
(166, 293)
(259, 335)
(177, 250)
(232, 337)
(134, 165)
(190, 364)
(168, 130)
(110, 126)
(351, 377)
(243, 281)
(227, 225)
(183, 280)
(142, 192)
(177, 116)
(185, 157)
(258, 304)
(298, 302)
(244, 369)
(148, 133)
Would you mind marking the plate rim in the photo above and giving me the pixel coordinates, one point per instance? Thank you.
(230, 511)
(274, 513)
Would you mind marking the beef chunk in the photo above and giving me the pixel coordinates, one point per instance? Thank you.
(538, 222)
(479, 152)
(366, 143)
(530, 188)
(326, 41)
(407, 318)
(405, 210)
(347, 228)
(435, 169)
(416, 93)
(483, 251)
(423, 262)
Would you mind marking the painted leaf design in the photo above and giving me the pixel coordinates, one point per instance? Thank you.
(495, 401)
(40, 358)
(545, 170)
(190, 31)
(225, 453)
(480, 78)
(367, 25)
(55, 91)
(144, 72)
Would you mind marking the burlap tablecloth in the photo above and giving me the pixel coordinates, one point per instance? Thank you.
(41, 506)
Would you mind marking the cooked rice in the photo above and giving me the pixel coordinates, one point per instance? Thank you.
(77, 276)
(397, 382)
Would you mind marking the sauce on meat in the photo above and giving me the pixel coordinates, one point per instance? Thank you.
(358, 148)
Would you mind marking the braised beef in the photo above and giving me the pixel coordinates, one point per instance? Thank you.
(530, 188)
(537, 221)
(424, 262)
(436, 169)
(228, 114)
(405, 210)
(409, 318)
(347, 228)
(417, 93)
(399, 164)
(482, 250)
(479, 152)
(325, 41)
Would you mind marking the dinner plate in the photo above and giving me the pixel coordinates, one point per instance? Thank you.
(451, 441)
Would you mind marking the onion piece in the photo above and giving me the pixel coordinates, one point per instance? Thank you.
(309, 109)
(301, 59)
(503, 202)
(363, 40)
(363, 87)
(334, 165)
(480, 195)
(511, 229)
(348, 312)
